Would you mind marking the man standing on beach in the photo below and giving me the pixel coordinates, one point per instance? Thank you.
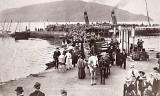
(159, 64)
(37, 92)
(19, 91)
(56, 54)
(124, 57)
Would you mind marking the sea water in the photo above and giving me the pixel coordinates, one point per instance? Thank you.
(21, 58)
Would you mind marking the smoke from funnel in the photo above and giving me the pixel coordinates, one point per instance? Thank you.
(121, 3)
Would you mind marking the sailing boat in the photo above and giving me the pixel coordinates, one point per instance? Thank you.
(21, 35)
(147, 30)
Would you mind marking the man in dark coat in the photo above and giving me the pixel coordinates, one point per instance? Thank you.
(155, 86)
(118, 58)
(102, 65)
(55, 56)
(19, 91)
(129, 88)
(37, 92)
(123, 57)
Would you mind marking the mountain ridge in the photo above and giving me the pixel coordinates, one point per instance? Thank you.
(67, 11)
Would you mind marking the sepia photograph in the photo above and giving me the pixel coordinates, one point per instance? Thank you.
(79, 47)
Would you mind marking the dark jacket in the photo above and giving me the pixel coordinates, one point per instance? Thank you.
(124, 56)
(56, 54)
(37, 93)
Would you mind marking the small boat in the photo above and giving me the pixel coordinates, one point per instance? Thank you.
(50, 65)
(22, 35)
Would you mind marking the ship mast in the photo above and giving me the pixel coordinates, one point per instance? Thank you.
(147, 13)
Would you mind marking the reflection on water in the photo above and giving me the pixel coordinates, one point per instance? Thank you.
(20, 58)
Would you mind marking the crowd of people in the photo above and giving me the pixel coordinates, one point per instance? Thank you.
(19, 90)
(138, 52)
(138, 83)
(80, 51)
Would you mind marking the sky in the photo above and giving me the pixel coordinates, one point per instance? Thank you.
(133, 6)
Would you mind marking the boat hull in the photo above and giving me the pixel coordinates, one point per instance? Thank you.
(22, 35)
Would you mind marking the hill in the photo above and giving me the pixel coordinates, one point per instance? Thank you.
(67, 10)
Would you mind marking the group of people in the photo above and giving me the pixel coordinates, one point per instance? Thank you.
(140, 84)
(19, 90)
(65, 60)
(138, 52)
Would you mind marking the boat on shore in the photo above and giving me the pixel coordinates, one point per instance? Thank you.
(24, 35)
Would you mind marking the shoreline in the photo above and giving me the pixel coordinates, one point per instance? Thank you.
(75, 86)
(151, 53)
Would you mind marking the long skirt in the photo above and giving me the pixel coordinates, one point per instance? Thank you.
(81, 73)
(69, 63)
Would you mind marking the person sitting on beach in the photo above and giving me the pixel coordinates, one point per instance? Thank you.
(37, 92)
(19, 91)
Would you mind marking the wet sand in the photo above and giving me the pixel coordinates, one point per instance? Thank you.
(53, 81)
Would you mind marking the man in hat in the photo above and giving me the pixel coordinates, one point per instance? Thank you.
(19, 91)
(56, 54)
(141, 84)
(129, 88)
(124, 57)
(37, 92)
(133, 72)
(102, 65)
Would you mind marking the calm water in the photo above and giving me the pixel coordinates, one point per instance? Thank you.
(20, 58)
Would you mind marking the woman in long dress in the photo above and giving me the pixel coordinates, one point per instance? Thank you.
(81, 68)
(68, 57)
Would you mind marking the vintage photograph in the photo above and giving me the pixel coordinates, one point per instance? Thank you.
(79, 47)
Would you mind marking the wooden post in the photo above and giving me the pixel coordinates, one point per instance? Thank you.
(122, 39)
(126, 39)
(128, 44)
(133, 35)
